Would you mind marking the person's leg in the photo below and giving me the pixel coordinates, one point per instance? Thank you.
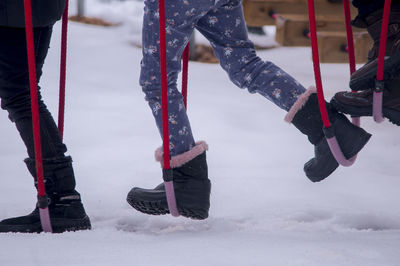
(366, 7)
(188, 161)
(14, 89)
(15, 98)
(180, 22)
(225, 28)
(360, 104)
(370, 16)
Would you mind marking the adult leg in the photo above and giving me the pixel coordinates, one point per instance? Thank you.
(66, 210)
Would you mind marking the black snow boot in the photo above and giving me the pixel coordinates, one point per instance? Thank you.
(191, 184)
(306, 117)
(364, 78)
(360, 103)
(65, 206)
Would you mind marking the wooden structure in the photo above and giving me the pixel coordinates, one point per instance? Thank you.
(258, 12)
(332, 46)
(291, 20)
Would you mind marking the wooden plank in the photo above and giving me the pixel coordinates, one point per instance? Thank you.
(291, 30)
(258, 12)
(331, 46)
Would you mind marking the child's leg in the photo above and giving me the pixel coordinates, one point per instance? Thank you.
(226, 29)
(188, 160)
(179, 26)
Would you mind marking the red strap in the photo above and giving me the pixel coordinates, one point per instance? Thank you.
(317, 72)
(164, 84)
(63, 62)
(350, 48)
(349, 32)
(382, 45)
(185, 59)
(34, 97)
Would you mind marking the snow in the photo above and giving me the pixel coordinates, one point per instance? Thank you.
(264, 210)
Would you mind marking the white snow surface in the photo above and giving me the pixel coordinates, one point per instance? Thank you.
(264, 211)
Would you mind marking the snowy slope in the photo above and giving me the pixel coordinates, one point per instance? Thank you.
(264, 210)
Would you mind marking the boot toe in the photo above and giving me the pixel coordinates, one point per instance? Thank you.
(23, 224)
(322, 165)
(355, 104)
(192, 203)
(148, 201)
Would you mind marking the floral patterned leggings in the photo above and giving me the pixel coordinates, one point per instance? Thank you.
(222, 23)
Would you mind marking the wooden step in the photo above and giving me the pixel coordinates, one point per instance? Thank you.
(258, 12)
(291, 30)
(331, 46)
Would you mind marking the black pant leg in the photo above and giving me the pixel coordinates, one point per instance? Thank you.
(15, 92)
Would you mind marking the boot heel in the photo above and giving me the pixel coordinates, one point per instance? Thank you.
(392, 115)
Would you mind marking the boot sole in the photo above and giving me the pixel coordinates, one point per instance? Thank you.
(392, 115)
(156, 207)
(322, 171)
(58, 226)
(367, 81)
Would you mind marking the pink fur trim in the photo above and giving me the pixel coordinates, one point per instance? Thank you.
(181, 159)
(301, 101)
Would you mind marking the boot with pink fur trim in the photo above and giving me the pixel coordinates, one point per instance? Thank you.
(191, 184)
(306, 117)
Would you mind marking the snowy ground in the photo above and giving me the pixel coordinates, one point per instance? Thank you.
(264, 210)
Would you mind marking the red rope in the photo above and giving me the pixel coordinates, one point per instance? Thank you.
(164, 84)
(185, 59)
(350, 47)
(34, 97)
(317, 72)
(349, 32)
(63, 70)
(382, 46)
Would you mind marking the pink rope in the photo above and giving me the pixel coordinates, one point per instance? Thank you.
(337, 152)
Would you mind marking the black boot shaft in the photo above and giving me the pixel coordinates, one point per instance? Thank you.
(373, 24)
(195, 169)
(309, 121)
(58, 174)
(64, 202)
